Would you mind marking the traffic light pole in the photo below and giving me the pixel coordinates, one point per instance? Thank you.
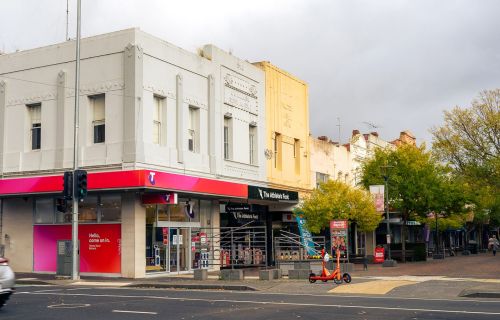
(75, 272)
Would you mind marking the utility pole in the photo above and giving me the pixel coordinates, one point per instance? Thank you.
(75, 273)
(389, 262)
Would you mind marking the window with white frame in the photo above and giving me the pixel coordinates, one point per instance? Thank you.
(97, 105)
(35, 114)
(277, 150)
(227, 138)
(296, 155)
(252, 139)
(157, 123)
(321, 178)
(193, 129)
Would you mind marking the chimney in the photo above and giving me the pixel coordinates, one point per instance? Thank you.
(374, 133)
(323, 138)
(355, 132)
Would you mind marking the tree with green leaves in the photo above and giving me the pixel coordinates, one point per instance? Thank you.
(334, 200)
(417, 184)
(469, 141)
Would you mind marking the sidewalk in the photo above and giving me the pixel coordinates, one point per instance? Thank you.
(469, 276)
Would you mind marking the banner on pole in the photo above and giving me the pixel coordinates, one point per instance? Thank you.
(377, 192)
(305, 235)
(338, 236)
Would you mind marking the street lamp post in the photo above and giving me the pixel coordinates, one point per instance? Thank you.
(75, 272)
(388, 236)
(388, 262)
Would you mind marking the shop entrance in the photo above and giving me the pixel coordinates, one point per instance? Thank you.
(179, 249)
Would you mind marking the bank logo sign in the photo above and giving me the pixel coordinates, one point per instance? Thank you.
(261, 193)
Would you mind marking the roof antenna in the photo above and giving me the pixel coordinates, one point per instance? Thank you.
(338, 125)
(67, 19)
(372, 125)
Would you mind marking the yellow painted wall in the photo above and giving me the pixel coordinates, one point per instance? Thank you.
(287, 113)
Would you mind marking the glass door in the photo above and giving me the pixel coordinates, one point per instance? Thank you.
(184, 249)
(174, 249)
(180, 249)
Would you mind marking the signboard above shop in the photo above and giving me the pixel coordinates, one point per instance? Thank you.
(261, 193)
(159, 198)
(238, 207)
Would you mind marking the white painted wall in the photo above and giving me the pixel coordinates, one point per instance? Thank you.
(129, 67)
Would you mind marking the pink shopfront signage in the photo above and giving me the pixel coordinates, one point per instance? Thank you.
(131, 179)
(100, 247)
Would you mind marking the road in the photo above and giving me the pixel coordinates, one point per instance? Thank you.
(53, 302)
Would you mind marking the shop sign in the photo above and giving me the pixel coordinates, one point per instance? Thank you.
(237, 207)
(245, 216)
(100, 247)
(338, 235)
(261, 193)
(159, 198)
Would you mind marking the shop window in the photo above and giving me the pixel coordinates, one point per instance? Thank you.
(193, 129)
(35, 114)
(177, 213)
(157, 119)
(150, 214)
(110, 208)
(296, 155)
(228, 138)
(252, 141)
(277, 150)
(163, 213)
(97, 104)
(44, 210)
(87, 210)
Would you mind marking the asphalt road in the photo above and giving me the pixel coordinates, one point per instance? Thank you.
(51, 302)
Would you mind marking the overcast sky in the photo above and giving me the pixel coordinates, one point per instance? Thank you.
(394, 64)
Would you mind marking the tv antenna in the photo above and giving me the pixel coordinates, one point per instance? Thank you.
(372, 125)
(67, 19)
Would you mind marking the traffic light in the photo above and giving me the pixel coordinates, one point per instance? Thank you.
(80, 184)
(68, 185)
(61, 204)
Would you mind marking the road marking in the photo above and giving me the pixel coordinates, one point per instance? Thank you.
(51, 290)
(138, 312)
(68, 306)
(266, 303)
(371, 287)
(429, 278)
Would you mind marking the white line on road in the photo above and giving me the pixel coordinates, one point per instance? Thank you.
(367, 297)
(264, 302)
(138, 312)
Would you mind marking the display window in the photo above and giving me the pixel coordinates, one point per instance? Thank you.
(96, 208)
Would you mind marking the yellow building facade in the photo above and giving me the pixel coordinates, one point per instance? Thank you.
(287, 130)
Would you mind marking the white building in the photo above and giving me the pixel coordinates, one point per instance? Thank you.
(329, 160)
(153, 117)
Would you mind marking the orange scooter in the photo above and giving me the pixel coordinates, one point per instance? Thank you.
(326, 275)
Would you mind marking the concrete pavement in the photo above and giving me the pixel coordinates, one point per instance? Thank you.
(453, 277)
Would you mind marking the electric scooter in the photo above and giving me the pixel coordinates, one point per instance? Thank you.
(326, 275)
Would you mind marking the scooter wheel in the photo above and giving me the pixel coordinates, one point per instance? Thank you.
(337, 281)
(311, 280)
(347, 278)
